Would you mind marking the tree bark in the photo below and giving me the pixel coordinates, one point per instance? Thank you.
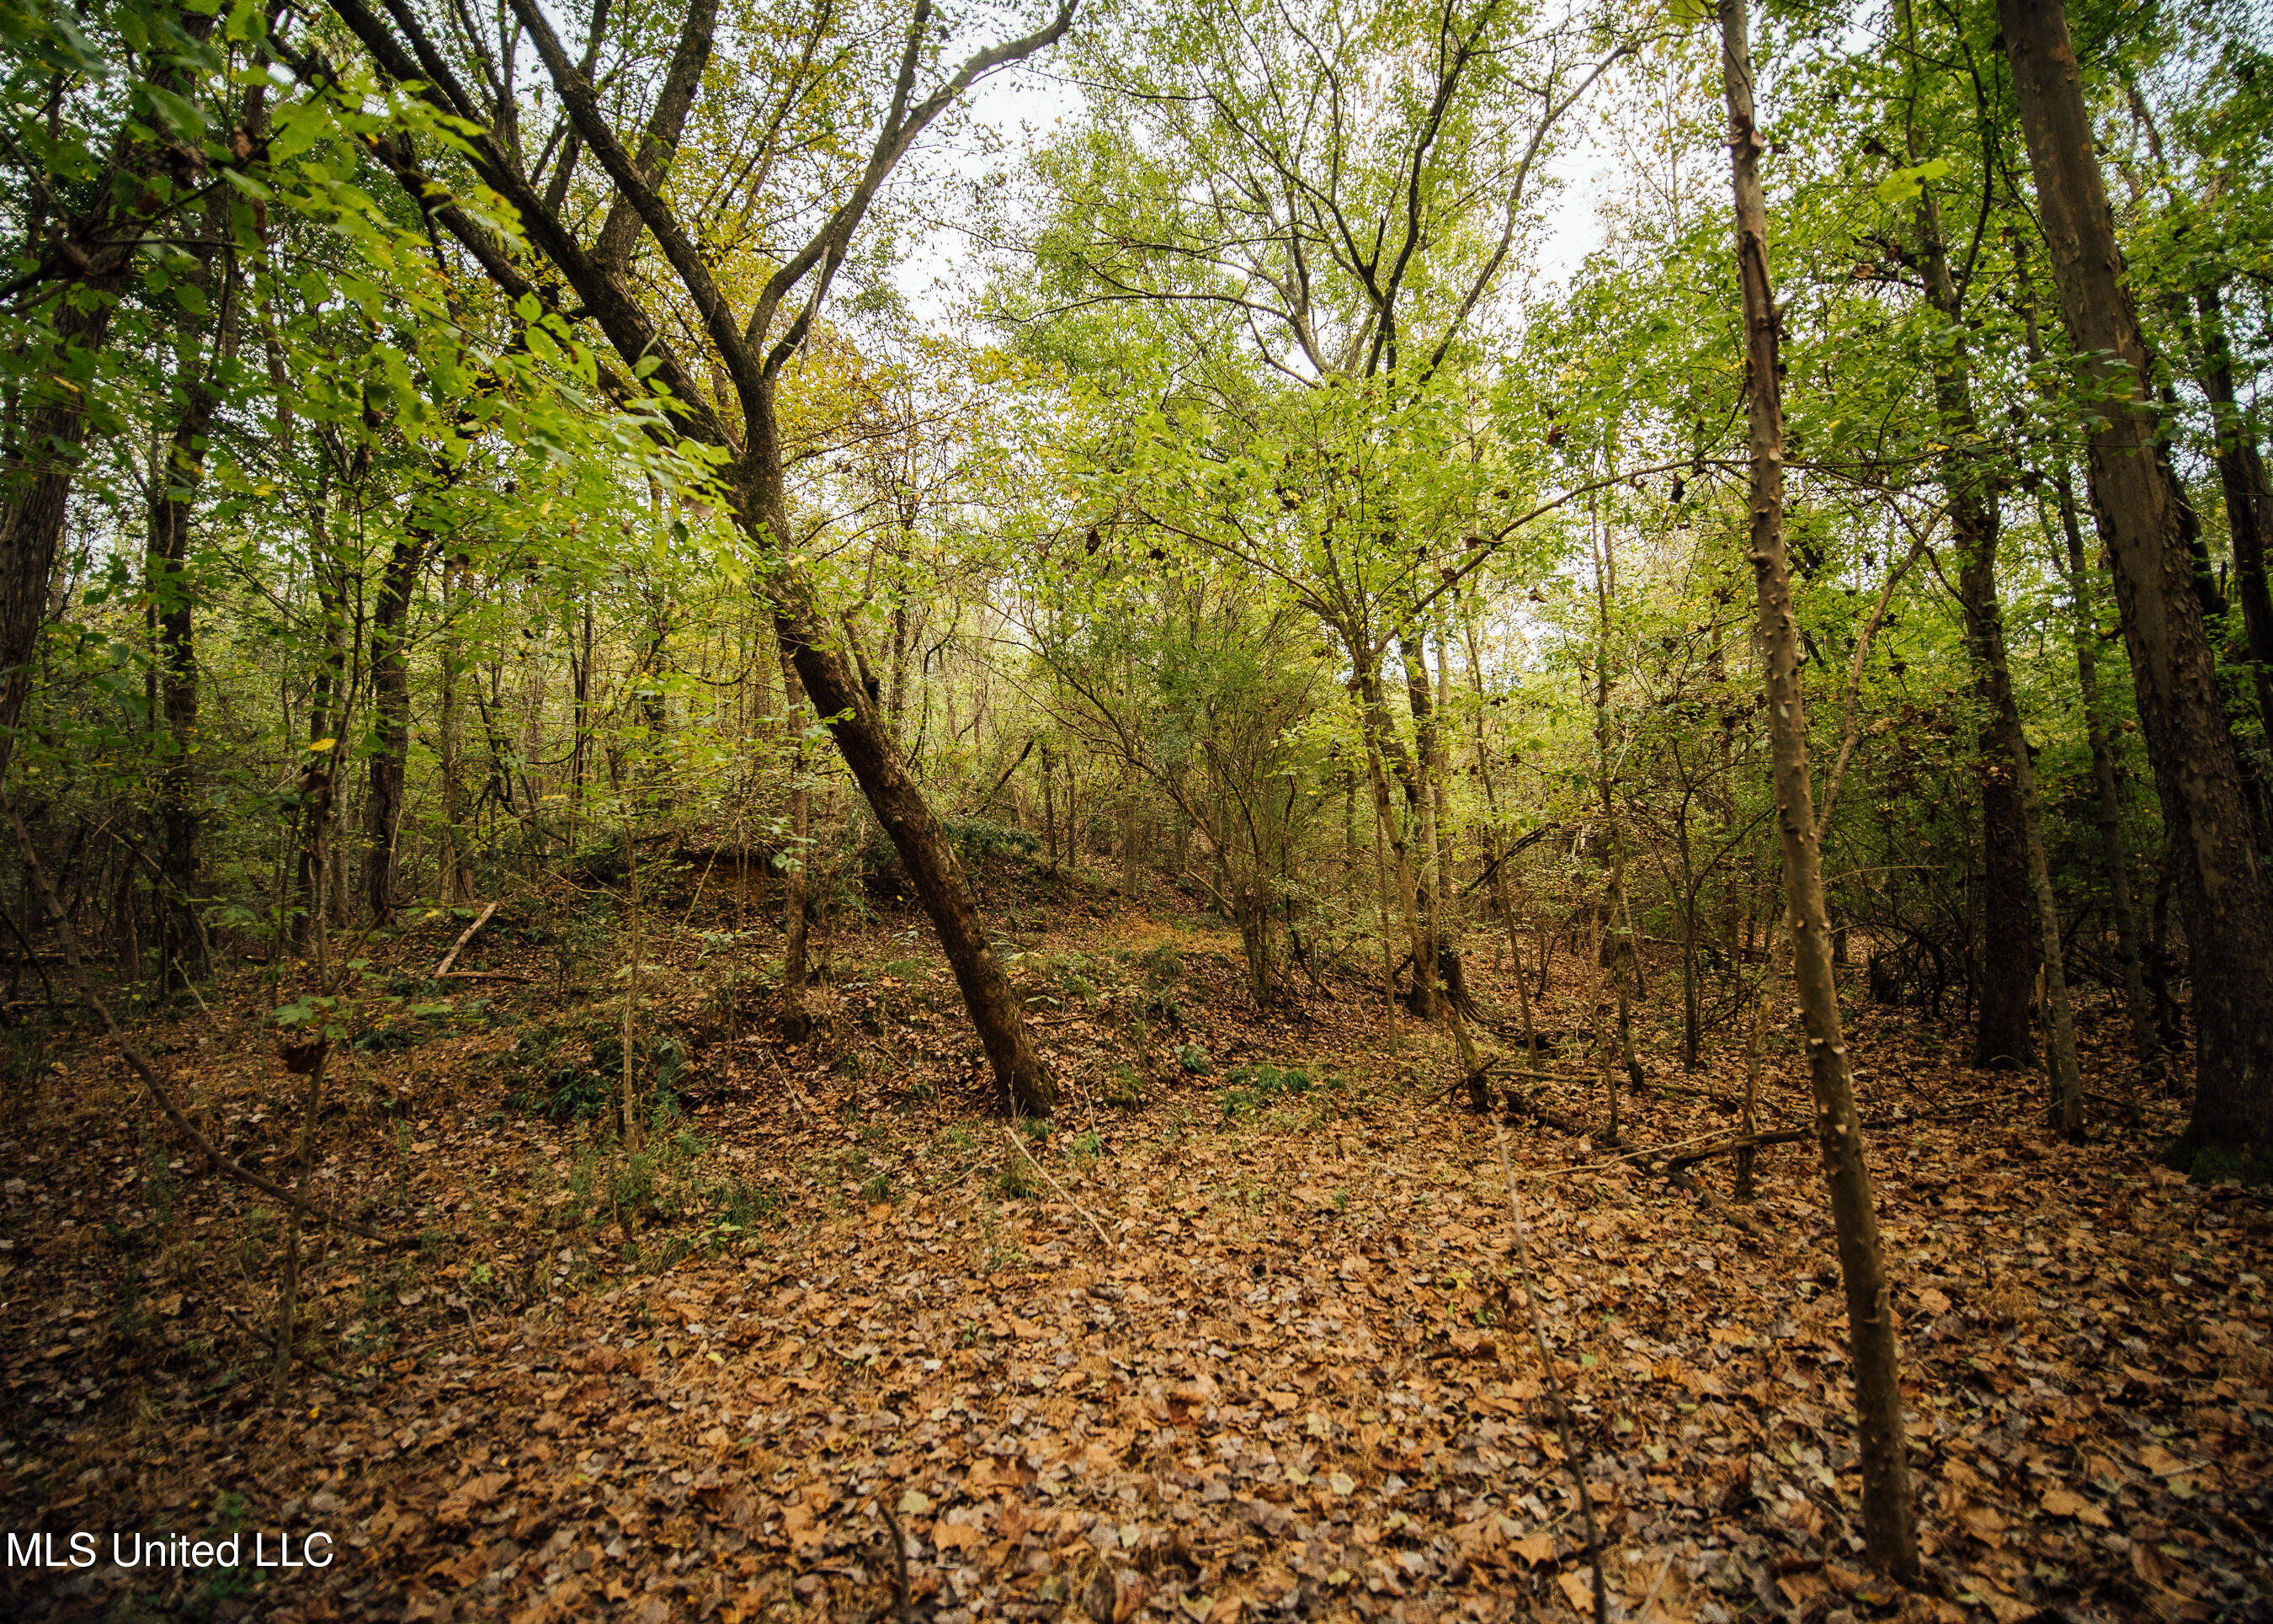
(1889, 1533)
(796, 892)
(390, 698)
(457, 872)
(173, 497)
(2100, 736)
(2220, 886)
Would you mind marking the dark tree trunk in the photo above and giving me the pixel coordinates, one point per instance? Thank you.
(2100, 736)
(327, 702)
(2206, 816)
(390, 701)
(796, 892)
(2008, 940)
(2248, 498)
(40, 460)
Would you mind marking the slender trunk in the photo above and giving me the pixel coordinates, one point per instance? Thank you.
(327, 702)
(2097, 724)
(316, 801)
(638, 921)
(1889, 1534)
(2099, 733)
(2008, 785)
(796, 892)
(2220, 886)
(1621, 951)
(457, 838)
(2248, 498)
(1429, 899)
(1496, 856)
(580, 677)
(172, 494)
(1388, 952)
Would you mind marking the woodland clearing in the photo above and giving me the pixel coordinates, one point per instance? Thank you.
(1286, 1387)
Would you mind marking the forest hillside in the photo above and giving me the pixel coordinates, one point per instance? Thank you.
(1136, 810)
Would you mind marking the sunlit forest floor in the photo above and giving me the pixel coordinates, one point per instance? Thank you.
(1231, 1339)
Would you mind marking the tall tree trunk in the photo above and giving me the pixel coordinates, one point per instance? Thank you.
(2099, 734)
(457, 840)
(880, 769)
(2220, 886)
(390, 698)
(328, 701)
(2248, 498)
(1495, 855)
(2009, 781)
(1621, 951)
(2008, 947)
(1889, 1534)
(1428, 897)
(796, 892)
(2098, 727)
(173, 498)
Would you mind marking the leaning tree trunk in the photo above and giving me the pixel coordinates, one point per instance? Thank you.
(1889, 1533)
(900, 811)
(2221, 888)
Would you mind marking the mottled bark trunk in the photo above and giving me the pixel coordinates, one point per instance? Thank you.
(457, 838)
(2221, 888)
(173, 495)
(390, 699)
(327, 700)
(1889, 1533)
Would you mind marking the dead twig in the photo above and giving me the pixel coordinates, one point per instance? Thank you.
(464, 936)
(899, 1560)
(1062, 1196)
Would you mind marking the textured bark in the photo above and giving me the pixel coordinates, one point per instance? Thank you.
(390, 701)
(326, 699)
(172, 494)
(91, 255)
(1889, 1532)
(2248, 498)
(457, 840)
(2221, 888)
(2008, 946)
(2009, 943)
(2108, 801)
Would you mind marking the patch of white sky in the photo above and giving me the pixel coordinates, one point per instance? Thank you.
(1007, 113)
(943, 262)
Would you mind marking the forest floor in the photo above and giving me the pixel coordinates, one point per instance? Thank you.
(1225, 1342)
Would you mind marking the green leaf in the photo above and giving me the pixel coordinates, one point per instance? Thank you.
(1904, 184)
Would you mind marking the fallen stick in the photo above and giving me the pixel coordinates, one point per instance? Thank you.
(483, 976)
(1062, 1196)
(135, 1059)
(1780, 1136)
(464, 936)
